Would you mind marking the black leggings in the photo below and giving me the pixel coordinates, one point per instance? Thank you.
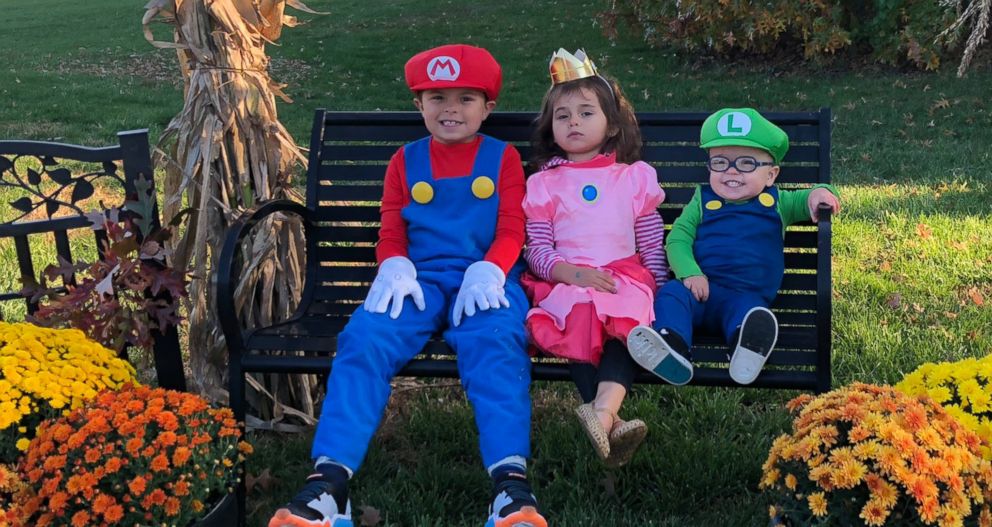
(615, 365)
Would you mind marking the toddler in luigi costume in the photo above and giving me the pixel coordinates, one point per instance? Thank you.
(452, 231)
(726, 250)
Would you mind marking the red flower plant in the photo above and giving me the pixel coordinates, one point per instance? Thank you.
(135, 456)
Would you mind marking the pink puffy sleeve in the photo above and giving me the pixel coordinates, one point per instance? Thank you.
(538, 205)
(647, 194)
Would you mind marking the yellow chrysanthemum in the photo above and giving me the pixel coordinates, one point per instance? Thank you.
(817, 504)
(43, 368)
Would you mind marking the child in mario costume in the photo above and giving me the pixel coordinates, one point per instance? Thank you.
(726, 249)
(452, 230)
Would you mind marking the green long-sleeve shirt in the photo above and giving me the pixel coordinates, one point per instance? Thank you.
(791, 206)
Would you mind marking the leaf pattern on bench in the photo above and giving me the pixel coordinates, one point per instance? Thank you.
(44, 181)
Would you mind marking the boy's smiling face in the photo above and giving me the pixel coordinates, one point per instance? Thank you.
(734, 185)
(453, 115)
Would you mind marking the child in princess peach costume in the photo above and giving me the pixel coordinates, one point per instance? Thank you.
(594, 246)
(452, 229)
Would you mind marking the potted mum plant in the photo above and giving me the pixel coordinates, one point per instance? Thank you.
(137, 456)
(963, 388)
(872, 455)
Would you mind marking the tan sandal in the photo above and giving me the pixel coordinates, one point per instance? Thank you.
(625, 438)
(594, 429)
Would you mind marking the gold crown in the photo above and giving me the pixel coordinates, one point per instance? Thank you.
(566, 67)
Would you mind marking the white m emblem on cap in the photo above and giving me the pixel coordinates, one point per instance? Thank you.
(734, 124)
(443, 68)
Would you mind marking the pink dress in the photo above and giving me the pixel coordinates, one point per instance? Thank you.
(592, 208)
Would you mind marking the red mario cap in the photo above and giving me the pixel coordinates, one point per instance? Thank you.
(454, 66)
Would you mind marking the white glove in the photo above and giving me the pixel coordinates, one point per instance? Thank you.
(397, 278)
(482, 288)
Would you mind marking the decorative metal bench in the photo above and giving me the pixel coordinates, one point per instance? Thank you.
(48, 179)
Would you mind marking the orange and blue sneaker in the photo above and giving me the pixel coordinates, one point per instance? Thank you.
(514, 505)
(322, 502)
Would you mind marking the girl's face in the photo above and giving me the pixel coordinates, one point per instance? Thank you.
(579, 125)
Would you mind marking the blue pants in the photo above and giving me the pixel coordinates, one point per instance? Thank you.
(678, 310)
(492, 362)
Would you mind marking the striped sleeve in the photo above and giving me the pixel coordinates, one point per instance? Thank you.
(540, 253)
(649, 234)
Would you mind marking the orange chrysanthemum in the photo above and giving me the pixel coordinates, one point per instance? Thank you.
(888, 452)
(170, 452)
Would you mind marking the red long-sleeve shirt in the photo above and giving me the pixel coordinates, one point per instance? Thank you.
(447, 161)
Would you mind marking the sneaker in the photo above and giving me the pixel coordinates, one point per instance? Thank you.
(514, 505)
(322, 502)
(755, 342)
(661, 354)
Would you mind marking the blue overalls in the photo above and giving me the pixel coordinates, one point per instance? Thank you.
(739, 247)
(447, 233)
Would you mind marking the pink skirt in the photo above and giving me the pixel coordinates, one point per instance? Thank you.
(573, 322)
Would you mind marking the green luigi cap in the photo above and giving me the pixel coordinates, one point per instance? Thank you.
(743, 127)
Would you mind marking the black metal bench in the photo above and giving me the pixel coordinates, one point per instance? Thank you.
(348, 156)
(47, 179)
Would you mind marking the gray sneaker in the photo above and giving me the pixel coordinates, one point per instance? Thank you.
(755, 342)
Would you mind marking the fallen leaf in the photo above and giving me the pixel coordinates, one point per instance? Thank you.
(923, 231)
(951, 315)
(976, 296)
(894, 301)
(918, 308)
(940, 104)
(885, 266)
(370, 516)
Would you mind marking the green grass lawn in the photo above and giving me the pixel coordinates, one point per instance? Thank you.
(912, 247)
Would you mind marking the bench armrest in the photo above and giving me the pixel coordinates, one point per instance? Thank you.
(228, 270)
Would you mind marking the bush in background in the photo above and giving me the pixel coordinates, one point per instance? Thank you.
(897, 32)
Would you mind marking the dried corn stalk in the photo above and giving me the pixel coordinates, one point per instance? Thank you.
(224, 152)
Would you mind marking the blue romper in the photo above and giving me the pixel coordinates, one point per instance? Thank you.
(445, 235)
(739, 247)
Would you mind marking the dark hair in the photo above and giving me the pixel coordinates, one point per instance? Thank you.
(626, 141)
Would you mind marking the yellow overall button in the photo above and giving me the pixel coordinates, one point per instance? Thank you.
(483, 187)
(422, 192)
(766, 199)
(714, 204)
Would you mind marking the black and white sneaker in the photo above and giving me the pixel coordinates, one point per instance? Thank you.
(663, 354)
(514, 505)
(755, 342)
(322, 502)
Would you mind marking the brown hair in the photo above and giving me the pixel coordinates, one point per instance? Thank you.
(626, 142)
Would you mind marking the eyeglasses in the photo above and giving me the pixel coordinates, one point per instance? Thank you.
(744, 164)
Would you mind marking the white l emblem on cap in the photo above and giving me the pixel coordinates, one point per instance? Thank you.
(734, 124)
(443, 68)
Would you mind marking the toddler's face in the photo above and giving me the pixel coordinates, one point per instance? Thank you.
(453, 115)
(734, 185)
(579, 125)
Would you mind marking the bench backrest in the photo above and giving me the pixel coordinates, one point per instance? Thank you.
(349, 152)
(45, 187)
